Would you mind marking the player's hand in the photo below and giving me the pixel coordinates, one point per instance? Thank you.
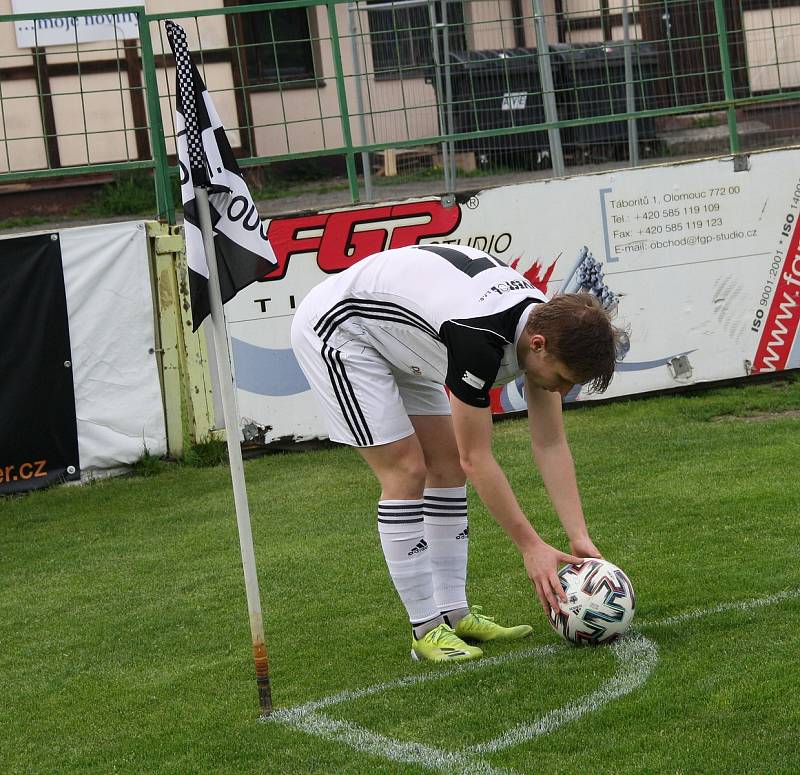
(584, 547)
(541, 564)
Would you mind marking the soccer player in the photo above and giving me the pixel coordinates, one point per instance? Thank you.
(379, 343)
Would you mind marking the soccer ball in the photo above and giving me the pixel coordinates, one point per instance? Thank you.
(600, 603)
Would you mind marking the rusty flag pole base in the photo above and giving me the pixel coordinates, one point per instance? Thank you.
(232, 432)
(262, 679)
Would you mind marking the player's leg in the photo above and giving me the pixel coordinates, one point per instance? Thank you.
(400, 468)
(445, 494)
(362, 407)
(445, 514)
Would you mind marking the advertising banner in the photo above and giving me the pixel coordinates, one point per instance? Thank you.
(118, 399)
(38, 433)
(78, 355)
(63, 30)
(703, 256)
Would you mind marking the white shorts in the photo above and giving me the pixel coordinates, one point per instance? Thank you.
(365, 401)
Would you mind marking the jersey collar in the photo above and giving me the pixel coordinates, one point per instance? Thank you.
(523, 319)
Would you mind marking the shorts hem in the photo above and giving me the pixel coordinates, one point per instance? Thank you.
(380, 443)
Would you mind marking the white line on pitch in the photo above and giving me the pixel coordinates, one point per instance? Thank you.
(637, 656)
(628, 651)
(383, 747)
(288, 715)
(740, 605)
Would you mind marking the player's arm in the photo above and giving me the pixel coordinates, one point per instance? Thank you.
(473, 431)
(554, 460)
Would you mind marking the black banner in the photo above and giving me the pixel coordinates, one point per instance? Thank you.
(38, 430)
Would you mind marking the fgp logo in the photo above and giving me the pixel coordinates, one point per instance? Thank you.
(341, 239)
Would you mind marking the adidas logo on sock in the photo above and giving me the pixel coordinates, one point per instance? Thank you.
(419, 548)
(463, 534)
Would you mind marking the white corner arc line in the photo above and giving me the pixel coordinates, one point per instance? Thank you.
(739, 605)
(633, 674)
(637, 657)
(383, 747)
(439, 672)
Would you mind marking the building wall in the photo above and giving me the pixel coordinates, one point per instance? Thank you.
(773, 58)
(95, 117)
(22, 146)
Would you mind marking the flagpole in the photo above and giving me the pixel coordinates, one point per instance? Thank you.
(231, 414)
(206, 162)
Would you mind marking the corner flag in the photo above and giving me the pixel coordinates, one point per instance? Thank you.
(205, 159)
(226, 250)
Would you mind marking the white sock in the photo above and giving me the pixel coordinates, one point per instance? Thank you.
(402, 532)
(447, 533)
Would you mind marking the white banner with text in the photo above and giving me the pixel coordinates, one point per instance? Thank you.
(59, 30)
(704, 257)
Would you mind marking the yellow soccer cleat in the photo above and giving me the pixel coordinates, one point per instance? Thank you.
(476, 626)
(441, 644)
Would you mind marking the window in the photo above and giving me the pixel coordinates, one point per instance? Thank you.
(400, 37)
(278, 46)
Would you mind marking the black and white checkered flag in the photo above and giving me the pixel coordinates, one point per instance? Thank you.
(205, 160)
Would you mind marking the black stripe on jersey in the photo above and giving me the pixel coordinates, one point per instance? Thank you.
(390, 318)
(461, 261)
(371, 310)
(501, 324)
(367, 302)
(345, 396)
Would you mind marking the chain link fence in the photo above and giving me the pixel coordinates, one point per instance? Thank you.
(433, 92)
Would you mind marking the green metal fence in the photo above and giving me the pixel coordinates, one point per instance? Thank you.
(442, 92)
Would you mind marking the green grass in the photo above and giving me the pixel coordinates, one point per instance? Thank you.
(23, 221)
(124, 641)
(130, 193)
(436, 173)
(282, 189)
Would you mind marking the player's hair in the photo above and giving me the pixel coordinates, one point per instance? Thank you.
(579, 333)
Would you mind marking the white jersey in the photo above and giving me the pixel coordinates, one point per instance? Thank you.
(451, 315)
